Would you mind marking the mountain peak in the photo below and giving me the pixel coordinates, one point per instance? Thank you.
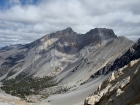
(68, 31)
(102, 33)
(101, 30)
(69, 28)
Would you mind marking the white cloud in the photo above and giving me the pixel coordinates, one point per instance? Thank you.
(30, 21)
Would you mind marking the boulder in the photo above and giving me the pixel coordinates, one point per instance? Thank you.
(131, 64)
(89, 100)
(112, 77)
(118, 92)
(125, 82)
(92, 100)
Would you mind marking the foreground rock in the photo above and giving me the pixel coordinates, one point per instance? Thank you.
(121, 88)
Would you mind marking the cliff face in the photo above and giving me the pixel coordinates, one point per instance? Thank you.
(122, 87)
(132, 54)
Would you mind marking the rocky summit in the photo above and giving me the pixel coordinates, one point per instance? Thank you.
(64, 67)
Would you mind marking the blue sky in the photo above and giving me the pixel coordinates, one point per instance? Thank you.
(2, 2)
(23, 2)
(23, 21)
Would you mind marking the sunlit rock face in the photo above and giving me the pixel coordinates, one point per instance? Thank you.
(117, 89)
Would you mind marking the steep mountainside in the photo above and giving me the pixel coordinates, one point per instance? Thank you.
(63, 54)
(122, 87)
(132, 54)
(94, 61)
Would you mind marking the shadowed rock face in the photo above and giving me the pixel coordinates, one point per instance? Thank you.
(68, 39)
(101, 33)
(132, 54)
(69, 42)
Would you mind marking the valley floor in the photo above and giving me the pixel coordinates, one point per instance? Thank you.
(77, 96)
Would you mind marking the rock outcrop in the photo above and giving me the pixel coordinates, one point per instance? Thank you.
(119, 89)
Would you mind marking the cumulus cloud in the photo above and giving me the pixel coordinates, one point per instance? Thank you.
(23, 21)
